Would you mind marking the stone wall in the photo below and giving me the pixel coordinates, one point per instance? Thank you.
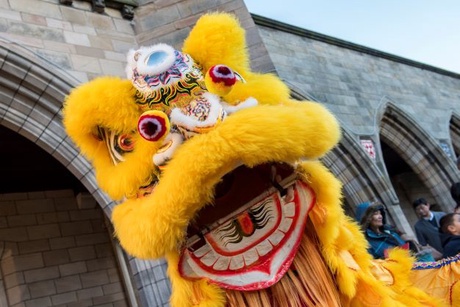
(84, 44)
(355, 84)
(56, 251)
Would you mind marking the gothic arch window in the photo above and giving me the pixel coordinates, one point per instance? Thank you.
(361, 177)
(420, 151)
(365, 179)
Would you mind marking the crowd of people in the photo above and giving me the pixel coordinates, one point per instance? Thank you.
(437, 233)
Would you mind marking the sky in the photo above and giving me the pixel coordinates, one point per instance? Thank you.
(426, 31)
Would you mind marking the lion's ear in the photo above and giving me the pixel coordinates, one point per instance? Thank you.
(218, 38)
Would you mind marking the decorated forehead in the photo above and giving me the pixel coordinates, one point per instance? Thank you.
(164, 77)
(173, 101)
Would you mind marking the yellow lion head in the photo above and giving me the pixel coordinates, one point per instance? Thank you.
(216, 169)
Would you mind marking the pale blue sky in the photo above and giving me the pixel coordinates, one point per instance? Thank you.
(426, 31)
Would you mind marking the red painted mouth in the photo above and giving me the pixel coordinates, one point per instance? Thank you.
(248, 238)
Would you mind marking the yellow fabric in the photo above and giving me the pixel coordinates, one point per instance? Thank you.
(278, 129)
(440, 281)
(341, 238)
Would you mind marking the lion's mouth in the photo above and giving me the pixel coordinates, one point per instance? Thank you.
(247, 239)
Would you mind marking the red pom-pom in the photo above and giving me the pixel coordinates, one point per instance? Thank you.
(222, 73)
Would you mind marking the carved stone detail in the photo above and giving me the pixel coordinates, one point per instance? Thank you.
(127, 12)
(126, 7)
(99, 6)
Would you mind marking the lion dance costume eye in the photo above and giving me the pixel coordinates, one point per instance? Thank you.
(153, 125)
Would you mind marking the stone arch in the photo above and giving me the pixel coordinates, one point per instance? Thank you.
(300, 94)
(32, 94)
(361, 178)
(32, 91)
(420, 151)
(454, 128)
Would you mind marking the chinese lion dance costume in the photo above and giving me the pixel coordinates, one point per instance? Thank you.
(217, 170)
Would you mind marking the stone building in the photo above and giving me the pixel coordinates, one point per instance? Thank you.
(400, 119)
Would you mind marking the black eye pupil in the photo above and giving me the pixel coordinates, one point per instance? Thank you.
(224, 70)
(149, 128)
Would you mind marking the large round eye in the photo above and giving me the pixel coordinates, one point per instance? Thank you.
(153, 125)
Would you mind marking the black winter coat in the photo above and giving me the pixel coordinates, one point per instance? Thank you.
(451, 244)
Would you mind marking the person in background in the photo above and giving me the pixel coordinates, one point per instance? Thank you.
(379, 234)
(455, 193)
(450, 234)
(427, 227)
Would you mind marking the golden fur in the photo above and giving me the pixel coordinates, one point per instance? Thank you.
(279, 129)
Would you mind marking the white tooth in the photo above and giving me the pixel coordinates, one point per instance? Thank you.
(250, 256)
(276, 237)
(289, 195)
(236, 262)
(209, 259)
(285, 224)
(289, 209)
(222, 263)
(264, 248)
(202, 251)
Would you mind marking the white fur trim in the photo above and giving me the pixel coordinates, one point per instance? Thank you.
(250, 102)
(131, 63)
(180, 119)
(176, 140)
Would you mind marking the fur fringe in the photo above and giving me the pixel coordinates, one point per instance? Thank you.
(297, 288)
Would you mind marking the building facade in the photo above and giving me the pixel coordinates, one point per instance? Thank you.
(400, 122)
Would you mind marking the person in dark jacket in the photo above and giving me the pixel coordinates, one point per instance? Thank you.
(455, 193)
(427, 227)
(450, 234)
(379, 234)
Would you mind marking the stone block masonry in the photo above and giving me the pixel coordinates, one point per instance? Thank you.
(54, 253)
